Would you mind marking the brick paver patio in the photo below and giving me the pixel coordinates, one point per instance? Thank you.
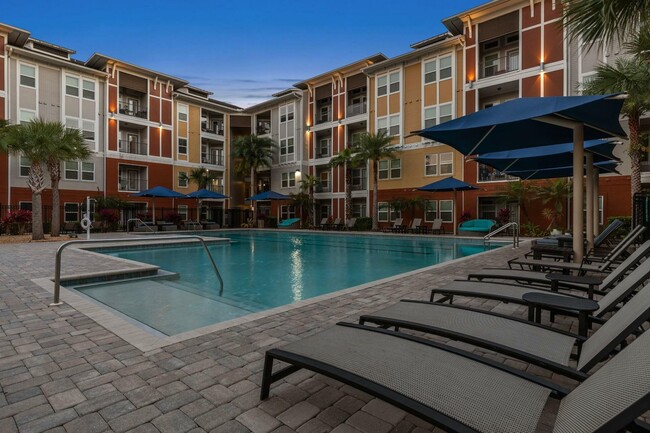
(62, 372)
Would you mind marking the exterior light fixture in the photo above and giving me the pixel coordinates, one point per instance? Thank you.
(541, 68)
(471, 84)
(298, 175)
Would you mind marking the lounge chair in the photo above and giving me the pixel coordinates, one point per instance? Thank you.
(537, 344)
(397, 225)
(288, 223)
(335, 225)
(323, 224)
(541, 279)
(606, 265)
(437, 226)
(415, 225)
(462, 392)
(71, 228)
(476, 227)
(606, 234)
(514, 293)
(349, 225)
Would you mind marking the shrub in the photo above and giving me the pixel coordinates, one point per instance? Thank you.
(364, 223)
(271, 222)
(503, 216)
(627, 224)
(16, 222)
(533, 230)
(173, 217)
(466, 216)
(108, 219)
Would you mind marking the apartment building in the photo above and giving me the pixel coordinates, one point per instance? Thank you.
(42, 80)
(410, 92)
(201, 142)
(335, 109)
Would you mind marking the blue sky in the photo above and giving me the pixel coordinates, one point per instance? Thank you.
(243, 51)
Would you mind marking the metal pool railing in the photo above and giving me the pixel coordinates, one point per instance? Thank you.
(57, 268)
(515, 234)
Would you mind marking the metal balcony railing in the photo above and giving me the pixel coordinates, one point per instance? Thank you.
(212, 159)
(499, 65)
(131, 184)
(133, 108)
(213, 128)
(359, 186)
(133, 147)
(324, 116)
(356, 109)
(216, 188)
(263, 127)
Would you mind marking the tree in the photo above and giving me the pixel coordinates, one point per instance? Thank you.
(253, 153)
(202, 177)
(30, 142)
(65, 144)
(300, 202)
(374, 147)
(308, 183)
(555, 192)
(630, 75)
(413, 204)
(349, 160)
(520, 192)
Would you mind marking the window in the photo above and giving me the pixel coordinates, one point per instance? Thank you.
(382, 125)
(324, 147)
(431, 164)
(491, 65)
(447, 211)
(430, 72)
(182, 113)
(601, 214)
(393, 81)
(489, 174)
(445, 67)
(395, 213)
(382, 208)
(290, 112)
(27, 116)
(88, 171)
(289, 179)
(382, 85)
(28, 76)
(182, 179)
(355, 139)
(286, 113)
(71, 86)
(324, 181)
(71, 170)
(393, 125)
(286, 146)
(430, 117)
(358, 210)
(88, 130)
(25, 164)
(25, 205)
(182, 146)
(358, 179)
(182, 211)
(390, 169)
(287, 211)
(447, 163)
(430, 210)
(71, 123)
(445, 113)
(70, 212)
(89, 90)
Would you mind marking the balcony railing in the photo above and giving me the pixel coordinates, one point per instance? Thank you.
(323, 152)
(356, 109)
(499, 65)
(361, 185)
(263, 127)
(133, 108)
(214, 128)
(323, 187)
(133, 147)
(215, 188)
(489, 174)
(132, 184)
(212, 159)
(324, 116)
(645, 165)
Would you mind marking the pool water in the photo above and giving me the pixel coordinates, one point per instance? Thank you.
(262, 270)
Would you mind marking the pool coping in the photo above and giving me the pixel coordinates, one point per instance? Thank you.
(141, 336)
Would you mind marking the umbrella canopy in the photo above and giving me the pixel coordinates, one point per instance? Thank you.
(555, 172)
(447, 184)
(523, 122)
(269, 195)
(158, 191)
(205, 194)
(545, 157)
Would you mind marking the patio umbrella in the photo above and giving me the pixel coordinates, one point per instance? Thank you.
(533, 122)
(158, 191)
(448, 184)
(269, 195)
(204, 194)
(567, 171)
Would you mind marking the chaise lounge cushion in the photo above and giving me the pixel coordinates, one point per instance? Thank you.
(477, 226)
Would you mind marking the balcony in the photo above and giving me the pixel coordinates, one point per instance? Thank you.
(324, 114)
(215, 188)
(132, 183)
(489, 174)
(213, 127)
(357, 109)
(133, 107)
(323, 148)
(133, 147)
(212, 158)
(263, 127)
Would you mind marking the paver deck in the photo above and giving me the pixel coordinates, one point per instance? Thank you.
(61, 371)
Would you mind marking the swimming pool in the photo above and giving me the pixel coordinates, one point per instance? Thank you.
(263, 270)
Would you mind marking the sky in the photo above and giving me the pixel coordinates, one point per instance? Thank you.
(243, 51)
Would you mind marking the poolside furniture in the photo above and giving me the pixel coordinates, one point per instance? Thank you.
(415, 225)
(288, 223)
(167, 227)
(396, 227)
(437, 226)
(607, 232)
(463, 392)
(192, 225)
(145, 226)
(537, 344)
(323, 224)
(210, 225)
(70, 227)
(476, 227)
(335, 225)
(349, 225)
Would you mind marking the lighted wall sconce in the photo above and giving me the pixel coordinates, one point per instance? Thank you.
(471, 84)
(339, 121)
(160, 125)
(541, 67)
(111, 114)
(298, 175)
(308, 128)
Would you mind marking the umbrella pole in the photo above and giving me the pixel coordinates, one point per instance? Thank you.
(455, 222)
(595, 180)
(578, 199)
(153, 215)
(589, 162)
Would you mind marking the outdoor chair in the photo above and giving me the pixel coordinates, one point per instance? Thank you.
(397, 225)
(437, 226)
(415, 225)
(537, 344)
(71, 228)
(607, 233)
(349, 225)
(335, 225)
(323, 224)
(289, 223)
(462, 392)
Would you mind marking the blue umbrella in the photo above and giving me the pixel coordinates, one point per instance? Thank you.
(545, 157)
(448, 184)
(268, 195)
(158, 191)
(555, 172)
(204, 194)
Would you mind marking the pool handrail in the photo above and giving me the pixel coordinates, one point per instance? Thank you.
(59, 251)
(515, 234)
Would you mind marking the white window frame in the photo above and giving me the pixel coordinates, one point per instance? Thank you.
(397, 82)
(29, 113)
(382, 83)
(183, 110)
(449, 211)
(431, 160)
(447, 117)
(430, 117)
(183, 182)
(84, 90)
(88, 130)
(434, 71)
(394, 121)
(21, 75)
(178, 146)
(69, 122)
(448, 161)
(442, 69)
(288, 179)
(382, 124)
(433, 211)
(287, 211)
(69, 86)
(84, 170)
(66, 212)
(72, 167)
(182, 211)
(383, 211)
(24, 163)
(389, 168)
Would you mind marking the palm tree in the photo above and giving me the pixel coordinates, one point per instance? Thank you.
(309, 182)
(253, 153)
(348, 159)
(65, 144)
(373, 147)
(556, 192)
(520, 192)
(300, 202)
(630, 75)
(202, 177)
(29, 141)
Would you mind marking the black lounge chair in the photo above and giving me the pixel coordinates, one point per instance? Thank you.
(462, 392)
(604, 265)
(541, 345)
(607, 233)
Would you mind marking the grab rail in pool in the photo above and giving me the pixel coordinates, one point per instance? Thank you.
(57, 268)
(142, 224)
(515, 234)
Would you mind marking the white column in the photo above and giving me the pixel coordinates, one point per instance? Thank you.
(578, 199)
(589, 163)
(596, 180)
